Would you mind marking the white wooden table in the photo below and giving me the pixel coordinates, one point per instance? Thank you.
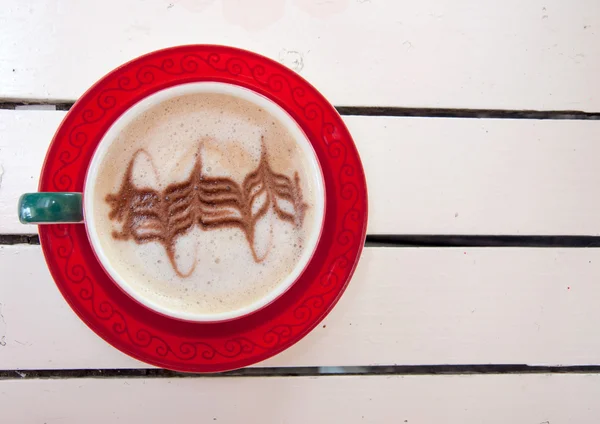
(500, 325)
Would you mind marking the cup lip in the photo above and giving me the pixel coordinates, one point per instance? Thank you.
(299, 134)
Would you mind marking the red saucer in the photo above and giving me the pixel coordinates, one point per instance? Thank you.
(205, 347)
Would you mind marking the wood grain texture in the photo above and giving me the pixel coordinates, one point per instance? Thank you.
(425, 176)
(540, 399)
(404, 306)
(539, 54)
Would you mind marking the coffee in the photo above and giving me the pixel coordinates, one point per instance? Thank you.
(206, 202)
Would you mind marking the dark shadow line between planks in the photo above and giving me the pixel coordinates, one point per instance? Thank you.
(396, 111)
(418, 240)
(392, 370)
(6, 104)
(390, 240)
(466, 113)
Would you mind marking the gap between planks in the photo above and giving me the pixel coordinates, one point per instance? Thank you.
(390, 240)
(378, 111)
(402, 370)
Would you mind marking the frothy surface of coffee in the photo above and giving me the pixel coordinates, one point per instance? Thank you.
(204, 203)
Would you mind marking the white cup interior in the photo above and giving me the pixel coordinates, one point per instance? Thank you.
(193, 88)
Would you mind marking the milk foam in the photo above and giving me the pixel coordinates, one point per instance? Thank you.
(229, 134)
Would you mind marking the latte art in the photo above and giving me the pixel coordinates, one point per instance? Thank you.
(210, 203)
(207, 201)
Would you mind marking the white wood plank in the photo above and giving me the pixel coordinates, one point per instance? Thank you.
(499, 399)
(539, 54)
(24, 139)
(425, 176)
(438, 306)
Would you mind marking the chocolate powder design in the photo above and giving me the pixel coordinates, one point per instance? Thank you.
(150, 215)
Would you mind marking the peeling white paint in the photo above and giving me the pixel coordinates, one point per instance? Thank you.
(292, 59)
(36, 107)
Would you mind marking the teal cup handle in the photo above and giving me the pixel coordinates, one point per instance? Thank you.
(50, 208)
